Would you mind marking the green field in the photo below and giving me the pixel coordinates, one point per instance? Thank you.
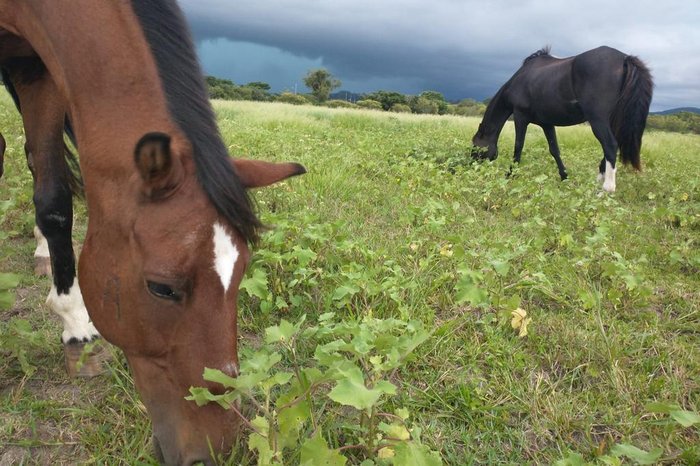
(392, 220)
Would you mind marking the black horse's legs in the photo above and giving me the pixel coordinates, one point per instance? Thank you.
(43, 114)
(607, 168)
(551, 135)
(520, 130)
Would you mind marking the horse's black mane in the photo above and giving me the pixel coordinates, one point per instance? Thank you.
(168, 35)
(543, 52)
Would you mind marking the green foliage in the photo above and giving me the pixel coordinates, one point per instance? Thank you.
(394, 219)
(352, 362)
(369, 104)
(400, 108)
(682, 122)
(387, 99)
(294, 99)
(467, 107)
(335, 103)
(18, 339)
(8, 283)
(227, 90)
(322, 83)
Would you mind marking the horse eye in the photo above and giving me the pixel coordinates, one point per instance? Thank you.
(160, 290)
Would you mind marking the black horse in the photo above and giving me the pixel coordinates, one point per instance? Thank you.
(610, 90)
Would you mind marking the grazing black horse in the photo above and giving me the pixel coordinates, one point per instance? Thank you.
(610, 90)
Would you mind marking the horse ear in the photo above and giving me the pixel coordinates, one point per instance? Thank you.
(160, 171)
(256, 173)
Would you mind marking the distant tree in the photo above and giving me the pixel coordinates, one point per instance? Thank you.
(337, 103)
(423, 105)
(259, 85)
(369, 104)
(438, 98)
(295, 99)
(387, 98)
(257, 91)
(400, 108)
(322, 83)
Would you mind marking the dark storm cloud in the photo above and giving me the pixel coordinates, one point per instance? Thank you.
(461, 48)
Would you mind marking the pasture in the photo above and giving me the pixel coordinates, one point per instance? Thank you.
(393, 220)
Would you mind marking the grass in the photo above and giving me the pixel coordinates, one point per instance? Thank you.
(392, 210)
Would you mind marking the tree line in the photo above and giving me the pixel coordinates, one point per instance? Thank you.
(322, 83)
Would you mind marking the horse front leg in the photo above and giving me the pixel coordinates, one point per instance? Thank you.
(520, 131)
(43, 115)
(551, 134)
(607, 168)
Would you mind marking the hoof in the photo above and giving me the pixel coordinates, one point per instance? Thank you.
(86, 359)
(42, 266)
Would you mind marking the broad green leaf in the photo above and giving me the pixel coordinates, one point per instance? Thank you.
(351, 390)
(395, 431)
(661, 407)
(256, 285)
(280, 333)
(636, 454)
(258, 443)
(290, 420)
(315, 452)
(9, 281)
(574, 459)
(216, 376)
(685, 418)
(467, 291)
(7, 299)
(501, 267)
(415, 454)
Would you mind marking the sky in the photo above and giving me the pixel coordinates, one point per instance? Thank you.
(461, 48)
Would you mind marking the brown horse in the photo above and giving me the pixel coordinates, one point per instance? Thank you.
(169, 217)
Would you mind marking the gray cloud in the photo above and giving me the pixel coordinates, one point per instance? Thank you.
(463, 48)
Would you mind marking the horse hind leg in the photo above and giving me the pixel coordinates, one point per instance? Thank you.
(607, 168)
(43, 116)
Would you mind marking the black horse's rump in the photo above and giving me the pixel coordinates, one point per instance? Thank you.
(607, 88)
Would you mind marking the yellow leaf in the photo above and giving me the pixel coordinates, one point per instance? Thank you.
(518, 316)
(520, 321)
(385, 453)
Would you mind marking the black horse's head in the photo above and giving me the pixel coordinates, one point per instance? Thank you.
(482, 147)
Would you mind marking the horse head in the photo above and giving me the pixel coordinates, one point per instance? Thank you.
(483, 147)
(166, 286)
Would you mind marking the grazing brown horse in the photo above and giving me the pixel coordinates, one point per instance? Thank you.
(607, 88)
(169, 217)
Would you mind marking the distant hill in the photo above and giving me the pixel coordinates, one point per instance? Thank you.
(673, 111)
(346, 95)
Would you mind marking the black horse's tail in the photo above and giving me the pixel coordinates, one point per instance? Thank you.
(630, 115)
(75, 180)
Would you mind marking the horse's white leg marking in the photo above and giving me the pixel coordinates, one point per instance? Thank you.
(225, 255)
(71, 308)
(42, 245)
(609, 183)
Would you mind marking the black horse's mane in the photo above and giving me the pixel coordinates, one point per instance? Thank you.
(543, 52)
(169, 38)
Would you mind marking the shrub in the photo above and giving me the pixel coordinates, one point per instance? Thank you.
(401, 108)
(294, 99)
(336, 103)
(369, 104)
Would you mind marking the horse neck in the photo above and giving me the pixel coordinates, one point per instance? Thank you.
(103, 65)
(497, 112)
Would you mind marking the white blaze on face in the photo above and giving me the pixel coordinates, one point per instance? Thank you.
(609, 183)
(225, 255)
(70, 307)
